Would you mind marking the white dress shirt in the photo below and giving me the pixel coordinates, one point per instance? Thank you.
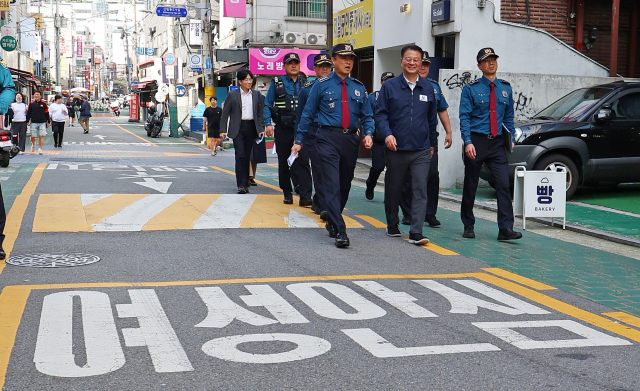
(411, 85)
(247, 104)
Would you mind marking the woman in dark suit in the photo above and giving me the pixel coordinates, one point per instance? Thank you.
(244, 109)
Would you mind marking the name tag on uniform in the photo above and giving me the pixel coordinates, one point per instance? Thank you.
(424, 98)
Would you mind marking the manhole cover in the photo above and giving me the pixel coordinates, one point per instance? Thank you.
(53, 260)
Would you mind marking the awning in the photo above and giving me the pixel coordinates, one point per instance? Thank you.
(145, 85)
(22, 74)
(231, 68)
(145, 63)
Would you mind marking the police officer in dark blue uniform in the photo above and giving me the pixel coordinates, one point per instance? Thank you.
(322, 67)
(7, 94)
(339, 102)
(377, 151)
(280, 106)
(433, 180)
(486, 105)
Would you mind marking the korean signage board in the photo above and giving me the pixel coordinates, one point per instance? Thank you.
(354, 25)
(27, 34)
(195, 62)
(540, 193)
(268, 61)
(79, 46)
(195, 32)
(134, 113)
(441, 11)
(4, 5)
(235, 8)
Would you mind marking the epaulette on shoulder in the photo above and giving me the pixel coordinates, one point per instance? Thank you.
(433, 81)
(324, 78)
(505, 82)
(309, 83)
(473, 81)
(357, 81)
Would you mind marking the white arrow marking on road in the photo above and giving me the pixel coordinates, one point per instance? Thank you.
(151, 183)
(100, 136)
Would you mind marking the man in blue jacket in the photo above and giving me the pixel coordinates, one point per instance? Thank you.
(406, 115)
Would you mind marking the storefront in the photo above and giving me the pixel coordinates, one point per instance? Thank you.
(145, 90)
(24, 81)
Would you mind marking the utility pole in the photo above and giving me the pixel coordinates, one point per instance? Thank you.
(173, 108)
(135, 37)
(56, 25)
(207, 45)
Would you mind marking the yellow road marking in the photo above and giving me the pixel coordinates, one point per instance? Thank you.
(268, 211)
(19, 207)
(274, 165)
(561, 306)
(59, 210)
(624, 317)
(182, 213)
(437, 249)
(12, 303)
(519, 279)
(270, 186)
(133, 134)
(373, 221)
(108, 206)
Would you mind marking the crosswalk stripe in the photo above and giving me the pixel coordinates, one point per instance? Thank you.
(99, 210)
(136, 215)
(298, 220)
(225, 212)
(269, 212)
(91, 198)
(182, 214)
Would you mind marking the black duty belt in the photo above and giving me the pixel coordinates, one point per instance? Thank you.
(488, 136)
(341, 130)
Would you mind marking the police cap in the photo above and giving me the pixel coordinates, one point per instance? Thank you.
(425, 57)
(343, 49)
(291, 57)
(321, 59)
(486, 53)
(386, 75)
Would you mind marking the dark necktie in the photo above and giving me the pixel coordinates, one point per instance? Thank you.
(493, 118)
(345, 106)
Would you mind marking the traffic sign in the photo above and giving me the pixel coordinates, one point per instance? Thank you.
(207, 63)
(130, 65)
(170, 59)
(164, 89)
(180, 90)
(8, 43)
(195, 62)
(173, 12)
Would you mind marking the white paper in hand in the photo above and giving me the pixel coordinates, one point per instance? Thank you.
(259, 140)
(273, 150)
(292, 158)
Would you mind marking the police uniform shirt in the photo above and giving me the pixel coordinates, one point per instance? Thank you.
(474, 108)
(247, 104)
(302, 101)
(441, 103)
(325, 103)
(292, 88)
(7, 88)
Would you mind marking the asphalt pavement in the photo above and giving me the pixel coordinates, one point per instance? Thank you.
(198, 288)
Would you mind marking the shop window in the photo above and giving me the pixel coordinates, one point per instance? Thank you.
(307, 8)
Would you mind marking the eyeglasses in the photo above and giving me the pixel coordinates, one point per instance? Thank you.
(412, 60)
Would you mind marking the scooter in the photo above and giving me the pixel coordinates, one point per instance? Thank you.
(148, 125)
(156, 119)
(8, 147)
(115, 110)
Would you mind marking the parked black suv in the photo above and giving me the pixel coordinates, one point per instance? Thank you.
(594, 133)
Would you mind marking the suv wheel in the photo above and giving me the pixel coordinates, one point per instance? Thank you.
(556, 162)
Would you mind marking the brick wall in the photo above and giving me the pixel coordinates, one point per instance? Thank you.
(549, 15)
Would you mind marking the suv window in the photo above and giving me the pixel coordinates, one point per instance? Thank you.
(627, 107)
(574, 105)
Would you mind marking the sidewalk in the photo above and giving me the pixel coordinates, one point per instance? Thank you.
(612, 214)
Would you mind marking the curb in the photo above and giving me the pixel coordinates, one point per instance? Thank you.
(612, 237)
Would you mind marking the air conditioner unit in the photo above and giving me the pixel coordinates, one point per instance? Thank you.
(291, 37)
(315, 39)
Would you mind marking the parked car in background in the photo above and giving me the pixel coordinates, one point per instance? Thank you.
(593, 133)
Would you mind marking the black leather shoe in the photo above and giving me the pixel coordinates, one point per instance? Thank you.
(508, 234)
(406, 220)
(394, 232)
(296, 188)
(324, 216)
(342, 240)
(3, 255)
(288, 200)
(304, 202)
(432, 221)
(369, 193)
(468, 232)
(252, 182)
(332, 229)
(315, 208)
(242, 190)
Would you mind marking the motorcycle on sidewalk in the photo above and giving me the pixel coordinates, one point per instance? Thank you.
(8, 147)
(155, 121)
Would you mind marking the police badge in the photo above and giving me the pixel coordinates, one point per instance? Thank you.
(332, 105)
(504, 93)
(357, 93)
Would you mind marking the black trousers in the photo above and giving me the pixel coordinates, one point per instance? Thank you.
(310, 144)
(284, 137)
(338, 154)
(493, 154)
(58, 131)
(377, 164)
(20, 129)
(242, 145)
(398, 164)
(433, 188)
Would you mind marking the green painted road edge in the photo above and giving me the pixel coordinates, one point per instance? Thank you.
(16, 181)
(609, 279)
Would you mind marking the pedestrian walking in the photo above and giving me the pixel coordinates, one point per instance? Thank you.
(486, 106)
(16, 117)
(377, 150)
(280, 106)
(7, 95)
(85, 114)
(406, 116)
(339, 103)
(213, 114)
(433, 180)
(71, 110)
(258, 152)
(58, 112)
(38, 119)
(322, 67)
(244, 111)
